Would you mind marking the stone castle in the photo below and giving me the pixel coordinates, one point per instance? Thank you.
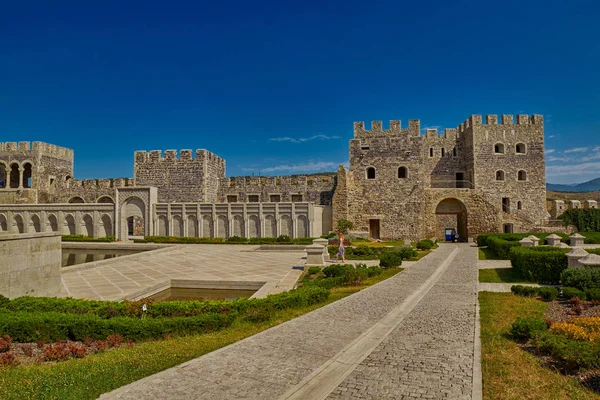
(479, 177)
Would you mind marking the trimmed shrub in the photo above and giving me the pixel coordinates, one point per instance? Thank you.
(548, 293)
(284, 239)
(526, 328)
(570, 292)
(538, 264)
(526, 291)
(313, 270)
(592, 294)
(425, 244)
(581, 278)
(390, 259)
(236, 239)
(406, 252)
(82, 238)
(502, 246)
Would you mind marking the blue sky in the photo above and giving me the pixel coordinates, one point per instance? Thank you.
(274, 86)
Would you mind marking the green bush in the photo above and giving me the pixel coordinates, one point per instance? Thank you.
(236, 239)
(548, 293)
(82, 238)
(314, 270)
(586, 220)
(570, 292)
(526, 328)
(592, 294)
(525, 291)
(425, 244)
(406, 252)
(345, 274)
(390, 259)
(502, 246)
(569, 355)
(284, 239)
(344, 226)
(51, 326)
(538, 264)
(581, 278)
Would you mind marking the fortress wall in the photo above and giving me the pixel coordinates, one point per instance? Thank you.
(316, 189)
(180, 179)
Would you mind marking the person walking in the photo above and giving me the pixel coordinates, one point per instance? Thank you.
(341, 249)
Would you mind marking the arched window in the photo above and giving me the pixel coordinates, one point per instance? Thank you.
(431, 152)
(499, 175)
(27, 175)
(14, 176)
(443, 152)
(402, 172)
(499, 148)
(522, 175)
(519, 205)
(371, 173)
(76, 199)
(2, 176)
(521, 148)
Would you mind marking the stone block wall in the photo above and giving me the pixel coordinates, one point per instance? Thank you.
(30, 265)
(180, 179)
(316, 189)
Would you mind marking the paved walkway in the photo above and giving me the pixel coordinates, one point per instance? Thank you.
(411, 336)
(119, 277)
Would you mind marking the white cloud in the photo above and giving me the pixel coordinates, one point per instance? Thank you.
(572, 169)
(298, 168)
(550, 151)
(302, 140)
(550, 137)
(555, 159)
(577, 150)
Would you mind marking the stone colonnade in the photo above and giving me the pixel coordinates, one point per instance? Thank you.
(96, 220)
(235, 219)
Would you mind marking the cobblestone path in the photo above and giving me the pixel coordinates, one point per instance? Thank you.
(411, 336)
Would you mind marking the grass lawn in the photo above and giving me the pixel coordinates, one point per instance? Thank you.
(487, 254)
(501, 275)
(89, 377)
(508, 371)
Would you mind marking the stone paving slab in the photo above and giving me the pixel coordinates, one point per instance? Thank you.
(116, 278)
(493, 264)
(434, 344)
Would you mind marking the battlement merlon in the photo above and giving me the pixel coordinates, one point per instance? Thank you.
(38, 149)
(395, 129)
(507, 119)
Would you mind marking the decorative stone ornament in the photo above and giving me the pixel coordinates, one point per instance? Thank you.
(575, 255)
(577, 240)
(553, 240)
(526, 242)
(314, 256)
(591, 260)
(324, 243)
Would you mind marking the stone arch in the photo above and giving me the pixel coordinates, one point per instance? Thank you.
(27, 175)
(76, 200)
(500, 175)
(370, 173)
(253, 226)
(521, 148)
(18, 224)
(87, 223)
(222, 231)
(3, 223)
(499, 148)
(133, 218)
(53, 222)
(453, 211)
(270, 226)
(36, 223)
(286, 225)
(107, 228)
(163, 226)
(69, 225)
(192, 226)
(14, 175)
(238, 226)
(302, 226)
(177, 225)
(522, 175)
(403, 173)
(3, 175)
(105, 200)
(207, 226)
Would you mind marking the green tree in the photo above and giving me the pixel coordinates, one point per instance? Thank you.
(344, 226)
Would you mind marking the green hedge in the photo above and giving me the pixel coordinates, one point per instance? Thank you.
(586, 220)
(390, 259)
(302, 296)
(581, 278)
(502, 247)
(82, 238)
(283, 239)
(26, 327)
(344, 274)
(539, 264)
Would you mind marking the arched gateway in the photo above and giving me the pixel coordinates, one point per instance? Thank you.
(451, 213)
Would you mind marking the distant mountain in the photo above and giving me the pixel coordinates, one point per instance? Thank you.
(591, 186)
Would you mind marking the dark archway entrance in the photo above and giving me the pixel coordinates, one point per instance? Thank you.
(451, 214)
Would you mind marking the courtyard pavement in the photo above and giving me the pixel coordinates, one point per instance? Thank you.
(410, 336)
(119, 277)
